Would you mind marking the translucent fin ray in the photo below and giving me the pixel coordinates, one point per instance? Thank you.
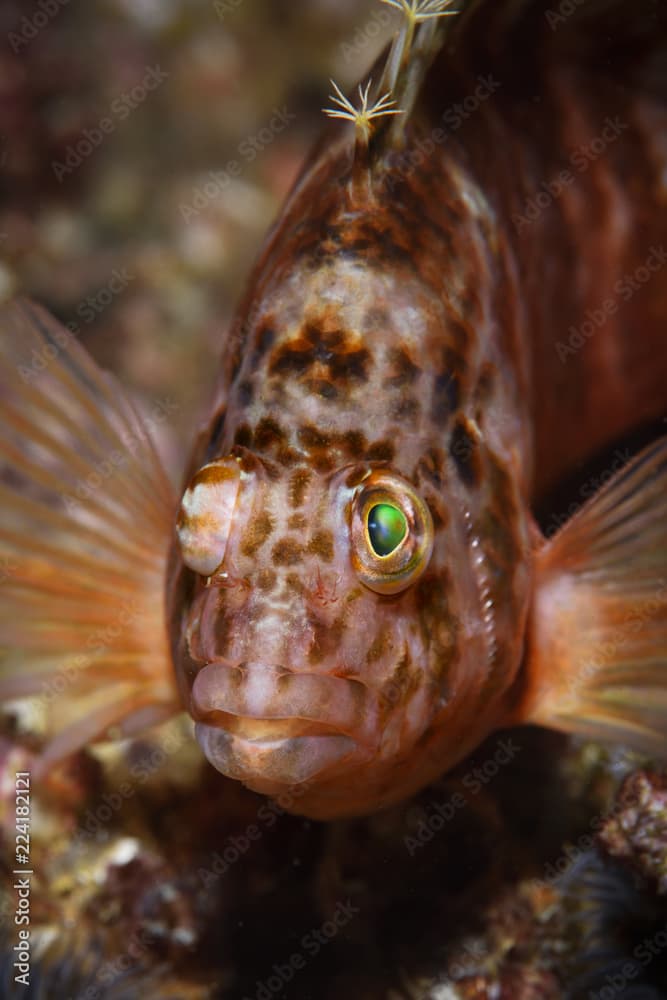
(597, 658)
(87, 521)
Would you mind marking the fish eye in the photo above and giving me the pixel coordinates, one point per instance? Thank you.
(392, 533)
(387, 527)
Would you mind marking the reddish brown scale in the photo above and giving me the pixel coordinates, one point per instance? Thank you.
(561, 86)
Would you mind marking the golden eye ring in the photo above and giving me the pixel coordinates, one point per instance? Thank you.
(391, 532)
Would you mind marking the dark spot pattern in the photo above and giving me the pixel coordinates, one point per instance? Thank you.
(464, 450)
(264, 340)
(404, 370)
(377, 647)
(321, 544)
(216, 433)
(354, 443)
(294, 583)
(286, 552)
(381, 451)
(320, 387)
(446, 397)
(405, 410)
(258, 530)
(333, 357)
(245, 392)
(268, 434)
(265, 580)
(298, 485)
(243, 436)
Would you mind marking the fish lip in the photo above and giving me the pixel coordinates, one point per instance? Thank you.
(253, 691)
(273, 763)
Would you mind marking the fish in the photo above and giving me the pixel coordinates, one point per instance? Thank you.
(462, 300)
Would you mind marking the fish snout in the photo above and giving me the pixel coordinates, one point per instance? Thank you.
(270, 727)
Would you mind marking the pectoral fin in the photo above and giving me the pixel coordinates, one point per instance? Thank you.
(86, 520)
(597, 651)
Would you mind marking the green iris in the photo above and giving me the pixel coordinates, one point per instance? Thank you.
(387, 527)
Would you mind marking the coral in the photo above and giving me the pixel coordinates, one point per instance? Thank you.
(636, 831)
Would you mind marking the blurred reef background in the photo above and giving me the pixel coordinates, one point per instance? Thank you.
(145, 147)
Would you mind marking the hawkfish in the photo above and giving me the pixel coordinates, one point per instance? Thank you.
(463, 299)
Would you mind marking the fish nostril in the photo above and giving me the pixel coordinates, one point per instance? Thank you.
(234, 590)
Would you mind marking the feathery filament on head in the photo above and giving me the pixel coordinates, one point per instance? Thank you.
(363, 116)
(422, 10)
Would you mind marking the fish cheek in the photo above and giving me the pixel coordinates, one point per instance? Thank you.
(220, 621)
(437, 624)
(326, 640)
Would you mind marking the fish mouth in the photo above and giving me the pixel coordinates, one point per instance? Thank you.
(270, 727)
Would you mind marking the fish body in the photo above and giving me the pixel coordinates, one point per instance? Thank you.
(357, 364)
(356, 590)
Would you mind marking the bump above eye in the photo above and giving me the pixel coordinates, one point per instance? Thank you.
(387, 527)
(391, 532)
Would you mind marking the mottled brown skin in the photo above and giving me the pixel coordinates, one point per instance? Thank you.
(399, 318)
(561, 78)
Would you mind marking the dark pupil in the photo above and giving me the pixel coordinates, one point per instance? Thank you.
(387, 528)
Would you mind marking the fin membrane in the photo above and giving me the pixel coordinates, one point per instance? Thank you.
(87, 519)
(597, 657)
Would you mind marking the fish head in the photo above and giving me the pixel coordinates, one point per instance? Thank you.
(329, 641)
(357, 537)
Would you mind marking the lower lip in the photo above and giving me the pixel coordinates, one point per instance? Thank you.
(286, 761)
